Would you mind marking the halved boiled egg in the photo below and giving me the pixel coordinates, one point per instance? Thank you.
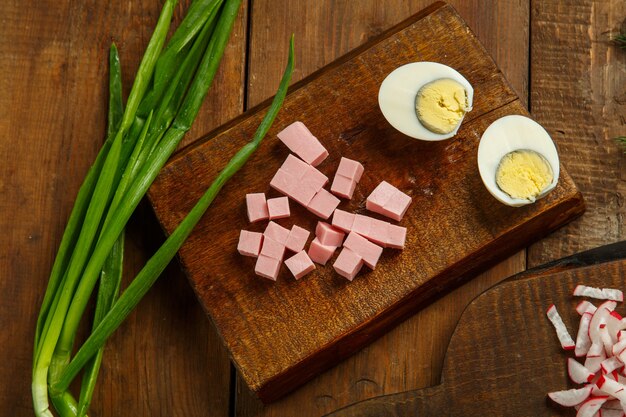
(425, 100)
(517, 160)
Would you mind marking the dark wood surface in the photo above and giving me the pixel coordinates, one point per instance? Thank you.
(277, 336)
(504, 344)
(167, 358)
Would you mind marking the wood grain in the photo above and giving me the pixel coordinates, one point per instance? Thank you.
(277, 337)
(500, 347)
(578, 94)
(53, 91)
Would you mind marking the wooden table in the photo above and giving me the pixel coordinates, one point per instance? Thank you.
(167, 358)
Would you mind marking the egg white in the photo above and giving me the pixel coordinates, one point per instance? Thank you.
(397, 93)
(507, 134)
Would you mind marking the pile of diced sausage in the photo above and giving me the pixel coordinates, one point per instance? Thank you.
(299, 180)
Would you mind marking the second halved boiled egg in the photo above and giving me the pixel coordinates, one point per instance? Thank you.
(517, 160)
(425, 100)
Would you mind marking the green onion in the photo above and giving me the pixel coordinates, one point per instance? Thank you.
(157, 263)
(47, 358)
(111, 275)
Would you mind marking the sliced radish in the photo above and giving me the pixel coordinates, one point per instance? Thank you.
(599, 317)
(578, 373)
(607, 340)
(619, 346)
(612, 405)
(610, 365)
(583, 342)
(593, 363)
(571, 397)
(595, 350)
(585, 307)
(591, 406)
(612, 387)
(599, 293)
(561, 331)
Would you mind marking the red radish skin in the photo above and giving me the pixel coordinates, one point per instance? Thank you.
(578, 373)
(571, 397)
(591, 406)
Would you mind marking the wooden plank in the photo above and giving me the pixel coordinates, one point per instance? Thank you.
(53, 103)
(578, 95)
(400, 360)
(303, 337)
(497, 347)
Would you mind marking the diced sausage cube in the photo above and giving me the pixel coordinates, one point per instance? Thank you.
(272, 249)
(297, 238)
(343, 187)
(370, 252)
(249, 243)
(300, 141)
(267, 267)
(388, 201)
(397, 237)
(320, 253)
(323, 204)
(362, 225)
(348, 264)
(284, 182)
(295, 166)
(278, 208)
(257, 207)
(276, 232)
(300, 264)
(328, 235)
(351, 169)
(343, 220)
(315, 178)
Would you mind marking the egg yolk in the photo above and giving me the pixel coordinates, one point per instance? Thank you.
(523, 174)
(441, 104)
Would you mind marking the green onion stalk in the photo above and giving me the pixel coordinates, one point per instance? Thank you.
(169, 88)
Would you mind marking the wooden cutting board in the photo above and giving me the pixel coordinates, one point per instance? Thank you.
(504, 356)
(282, 334)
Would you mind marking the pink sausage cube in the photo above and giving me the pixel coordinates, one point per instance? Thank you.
(272, 249)
(343, 187)
(314, 178)
(303, 193)
(323, 204)
(278, 208)
(284, 182)
(397, 237)
(276, 232)
(350, 169)
(295, 166)
(362, 225)
(300, 264)
(249, 243)
(267, 267)
(301, 142)
(320, 253)
(297, 238)
(367, 250)
(397, 206)
(328, 235)
(348, 264)
(257, 207)
(388, 201)
(343, 220)
(379, 232)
